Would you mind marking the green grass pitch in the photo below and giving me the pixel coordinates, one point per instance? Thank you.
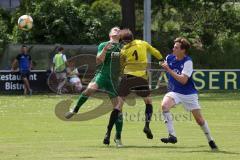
(30, 130)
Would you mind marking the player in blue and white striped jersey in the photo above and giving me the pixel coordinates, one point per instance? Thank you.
(179, 68)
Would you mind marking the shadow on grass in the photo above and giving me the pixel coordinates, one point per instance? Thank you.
(86, 157)
(211, 151)
(177, 147)
(152, 147)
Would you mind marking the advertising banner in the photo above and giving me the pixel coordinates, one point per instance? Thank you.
(11, 81)
(204, 80)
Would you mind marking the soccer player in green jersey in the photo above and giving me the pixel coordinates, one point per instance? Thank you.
(106, 77)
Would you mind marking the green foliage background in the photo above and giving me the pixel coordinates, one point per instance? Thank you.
(213, 27)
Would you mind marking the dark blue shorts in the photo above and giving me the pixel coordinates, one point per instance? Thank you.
(25, 74)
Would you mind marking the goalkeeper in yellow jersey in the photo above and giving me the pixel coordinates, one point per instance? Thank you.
(134, 63)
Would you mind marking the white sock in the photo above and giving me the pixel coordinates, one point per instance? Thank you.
(169, 123)
(206, 131)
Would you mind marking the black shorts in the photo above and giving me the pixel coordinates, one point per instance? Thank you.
(132, 83)
(24, 74)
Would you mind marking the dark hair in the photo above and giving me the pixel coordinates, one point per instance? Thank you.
(24, 46)
(126, 35)
(184, 44)
(60, 49)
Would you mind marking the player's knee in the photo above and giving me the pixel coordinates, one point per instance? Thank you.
(200, 121)
(88, 91)
(165, 108)
(147, 100)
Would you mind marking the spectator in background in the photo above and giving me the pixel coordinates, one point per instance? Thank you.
(24, 64)
(73, 77)
(59, 68)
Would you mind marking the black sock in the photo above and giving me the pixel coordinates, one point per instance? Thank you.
(112, 120)
(148, 114)
(119, 125)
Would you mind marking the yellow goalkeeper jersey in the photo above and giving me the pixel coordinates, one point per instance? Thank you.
(134, 60)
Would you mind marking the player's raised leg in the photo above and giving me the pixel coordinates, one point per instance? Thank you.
(92, 87)
(204, 126)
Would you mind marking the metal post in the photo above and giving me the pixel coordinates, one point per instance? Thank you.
(147, 33)
(10, 4)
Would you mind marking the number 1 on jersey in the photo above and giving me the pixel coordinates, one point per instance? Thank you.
(135, 54)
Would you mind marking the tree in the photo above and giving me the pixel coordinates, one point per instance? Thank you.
(128, 14)
(108, 14)
(5, 29)
(67, 21)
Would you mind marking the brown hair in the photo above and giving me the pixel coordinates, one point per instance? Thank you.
(60, 49)
(126, 35)
(184, 43)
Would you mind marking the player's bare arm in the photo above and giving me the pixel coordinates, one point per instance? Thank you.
(100, 58)
(182, 78)
(14, 64)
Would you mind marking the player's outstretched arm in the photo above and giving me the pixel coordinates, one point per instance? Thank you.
(153, 51)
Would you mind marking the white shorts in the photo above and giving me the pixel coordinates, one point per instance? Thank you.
(190, 101)
(74, 80)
